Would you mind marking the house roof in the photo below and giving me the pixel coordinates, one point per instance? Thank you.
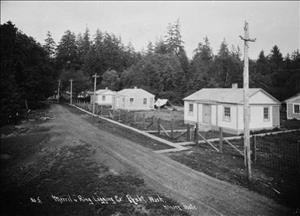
(160, 102)
(224, 95)
(105, 91)
(134, 92)
(295, 97)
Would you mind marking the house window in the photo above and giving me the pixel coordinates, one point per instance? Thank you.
(266, 114)
(131, 100)
(191, 108)
(103, 97)
(227, 113)
(296, 108)
(145, 101)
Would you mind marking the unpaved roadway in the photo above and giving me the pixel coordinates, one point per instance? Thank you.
(174, 180)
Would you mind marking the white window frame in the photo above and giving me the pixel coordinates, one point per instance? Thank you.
(131, 100)
(145, 101)
(226, 118)
(294, 108)
(266, 119)
(103, 97)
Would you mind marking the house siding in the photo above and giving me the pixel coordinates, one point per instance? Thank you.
(230, 123)
(276, 116)
(258, 100)
(137, 104)
(290, 110)
(109, 99)
(190, 117)
(236, 123)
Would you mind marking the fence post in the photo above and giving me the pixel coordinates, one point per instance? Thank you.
(158, 126)
(221, 139)
(188, 133)
(253, 149)
(196, 134)
(172, 131)
(298, 155)
(144, 119)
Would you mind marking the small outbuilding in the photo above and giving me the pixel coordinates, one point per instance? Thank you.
(134, 99)
(293, 107)
(105, 97)
(213, 108)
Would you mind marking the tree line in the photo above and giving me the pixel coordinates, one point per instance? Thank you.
(30, 71)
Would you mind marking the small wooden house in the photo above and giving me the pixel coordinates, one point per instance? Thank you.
(134, 99)
(293, 107)
(212, 108)
(105, 97)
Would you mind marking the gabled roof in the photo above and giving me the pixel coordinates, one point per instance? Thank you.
(291, 99)
(134, 92)
(105, 91)
(224, 95)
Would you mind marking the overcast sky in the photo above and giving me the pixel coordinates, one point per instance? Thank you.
(140, 22)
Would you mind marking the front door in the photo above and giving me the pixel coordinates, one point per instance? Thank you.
(206, 113)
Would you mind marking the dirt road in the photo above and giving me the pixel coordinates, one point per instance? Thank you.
(174, 180)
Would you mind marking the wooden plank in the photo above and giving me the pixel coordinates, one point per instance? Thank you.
(229, 143)
(208, 142)
(158, 126)
(151, 123)
(111, 115)
(188, 133)
(172, 131)
(196, 134)
(221, 139)
(164, 130)
(184, 132)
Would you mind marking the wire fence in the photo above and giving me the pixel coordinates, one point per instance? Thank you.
(278, 152)
(137, 119)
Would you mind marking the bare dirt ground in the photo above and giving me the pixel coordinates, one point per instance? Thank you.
(78, 157)
(275, 173)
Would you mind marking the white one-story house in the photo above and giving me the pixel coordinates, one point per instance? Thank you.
(134, 99)
(213, 108)
(293, 107)
(105, 97)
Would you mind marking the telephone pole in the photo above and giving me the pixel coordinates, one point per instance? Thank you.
(95, 76)
(247, 151)
(71, 91)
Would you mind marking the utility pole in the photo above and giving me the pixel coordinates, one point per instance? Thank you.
(71, 91)
(58, 88)
(95, 76)
(247, 152)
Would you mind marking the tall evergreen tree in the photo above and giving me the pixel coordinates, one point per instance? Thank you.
(83, 44)
(67, 52)
(50, 45)
(200, 67)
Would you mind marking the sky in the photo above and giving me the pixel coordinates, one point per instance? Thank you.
(270, 22)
